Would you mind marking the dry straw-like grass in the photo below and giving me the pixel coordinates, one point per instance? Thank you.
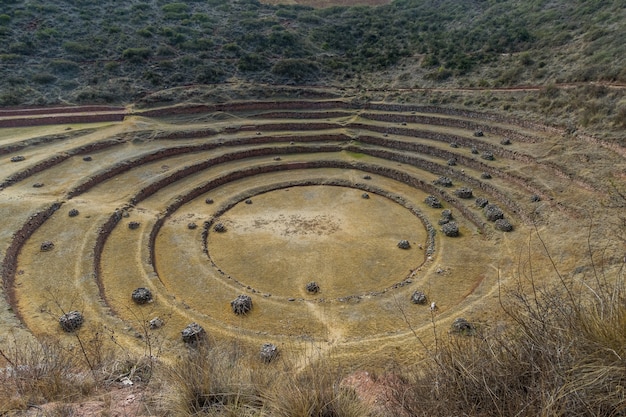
(563, 353)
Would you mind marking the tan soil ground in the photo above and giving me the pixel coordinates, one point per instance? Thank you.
(291, 235)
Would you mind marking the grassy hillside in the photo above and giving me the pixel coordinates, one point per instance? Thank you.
(107, 51)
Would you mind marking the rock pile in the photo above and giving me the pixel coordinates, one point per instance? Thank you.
(463, 192)
(404, 244)
(71, 321)
(312, 287)
(193, 333)
(418, 297)
(242, 304)
(46, 246)
(268, 353)
(433, 201)
(141, 295)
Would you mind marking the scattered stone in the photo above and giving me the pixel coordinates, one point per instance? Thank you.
(191, 226)
(504, 225)
(464, 192)
(219, 228)
(367, 177)
(535, 198)
(485, 176)
(73, 213)
(451, 162)
(312, 287)
(488, 155)
(258, 133)
(18, 158)
(193, 333)
(156, 323)
(38, 185)
(268, 353)
(433, 201)
(460, 325)
(404, 244)
(87, 158)
(493, 212)
(481, 202)
(133, 225)
(277, 158)
(46, 246)
(248, 201)
(505, 141)
(242, 304)
(443, 181)
(450, 229)
(292, 143)
(474, 150)
(479, 133)
(418, 297)
(142, 295)
(454, 145)
(71, 321)
(209, 201)
(365, 196)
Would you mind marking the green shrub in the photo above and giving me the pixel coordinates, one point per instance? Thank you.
(136, 54)
(5, 19)
(252, 62)
(79, 48)
(43, 78)
(63, 65)
(296, 69)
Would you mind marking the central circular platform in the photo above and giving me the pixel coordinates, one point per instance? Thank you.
(342, 238)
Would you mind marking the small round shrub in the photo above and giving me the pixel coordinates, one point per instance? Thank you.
(219, 228)
(505, 141)
(535, 198)
(479, 133)
(209, 201)
(454, 145)
(451, 162)
(38, 185)
(73, 213)
(485, 176)
(248, 201)
(87, 158)
(133, 225)
(365, 196)
(474, 151)
(488, 155)
(191, 226)
(18, 158)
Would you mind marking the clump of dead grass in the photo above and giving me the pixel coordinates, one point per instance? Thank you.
(562, 353)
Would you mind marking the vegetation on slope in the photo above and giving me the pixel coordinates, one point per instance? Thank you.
(108, 51)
